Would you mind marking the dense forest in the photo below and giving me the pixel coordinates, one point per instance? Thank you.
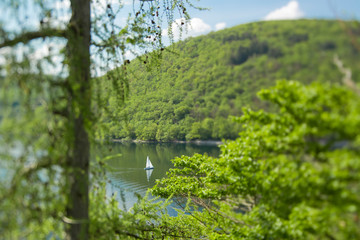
(202, 81)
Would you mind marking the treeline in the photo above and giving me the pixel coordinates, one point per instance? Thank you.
(202, 81)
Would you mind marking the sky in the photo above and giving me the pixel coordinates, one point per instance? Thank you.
(221, 14)
(228, 13)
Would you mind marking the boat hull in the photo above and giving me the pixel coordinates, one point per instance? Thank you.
(148, 168)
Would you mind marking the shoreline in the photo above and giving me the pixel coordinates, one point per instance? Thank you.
(197, 142)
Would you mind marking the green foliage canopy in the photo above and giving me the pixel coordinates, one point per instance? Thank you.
(293, 174)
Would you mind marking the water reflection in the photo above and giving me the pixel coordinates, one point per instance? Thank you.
(148, 173)
(127, 175)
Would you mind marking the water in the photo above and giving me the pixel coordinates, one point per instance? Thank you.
(127, 175)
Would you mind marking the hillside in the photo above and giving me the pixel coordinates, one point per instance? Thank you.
(209, 78)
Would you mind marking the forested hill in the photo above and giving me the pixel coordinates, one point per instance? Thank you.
(210, 78)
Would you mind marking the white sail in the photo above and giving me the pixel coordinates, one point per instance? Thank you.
(148, 164)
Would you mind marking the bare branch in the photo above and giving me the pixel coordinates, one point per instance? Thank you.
(28, 36)
(347, 75)
(73, 221)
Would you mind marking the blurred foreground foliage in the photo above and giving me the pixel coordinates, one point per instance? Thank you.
(292, 174)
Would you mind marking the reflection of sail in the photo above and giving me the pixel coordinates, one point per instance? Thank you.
(148, 164)
(148, 174)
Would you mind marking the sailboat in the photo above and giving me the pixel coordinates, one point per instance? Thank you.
(148, 164)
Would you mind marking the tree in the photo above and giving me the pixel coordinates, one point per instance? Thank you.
(47, 183)
(293, 174)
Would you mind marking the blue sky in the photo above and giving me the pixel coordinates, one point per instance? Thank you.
(225, 13)
(229, 13)
(235, 12)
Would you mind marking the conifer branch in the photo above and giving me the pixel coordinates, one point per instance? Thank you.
(28, 36)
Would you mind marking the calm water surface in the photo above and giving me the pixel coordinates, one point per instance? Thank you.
(127, 175)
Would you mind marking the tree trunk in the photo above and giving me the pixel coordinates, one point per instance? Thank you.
(79, 112)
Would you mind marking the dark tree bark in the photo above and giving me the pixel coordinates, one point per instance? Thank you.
(79, 110)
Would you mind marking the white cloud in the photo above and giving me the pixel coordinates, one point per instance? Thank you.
(290, 11)
(220, 26)
(192, 28)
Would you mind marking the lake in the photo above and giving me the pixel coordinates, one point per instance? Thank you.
(127, 175)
